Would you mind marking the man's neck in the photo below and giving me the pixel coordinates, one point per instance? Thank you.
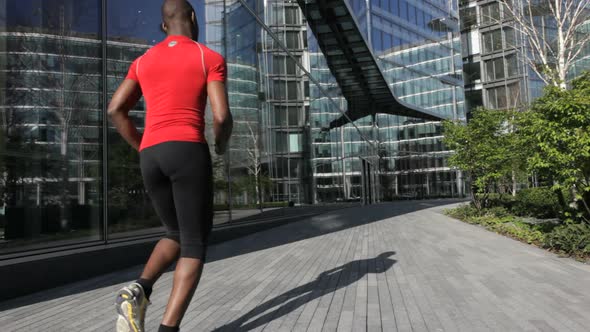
(188, 35)
(182, 30)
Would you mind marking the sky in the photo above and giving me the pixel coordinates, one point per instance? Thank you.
(139, 19)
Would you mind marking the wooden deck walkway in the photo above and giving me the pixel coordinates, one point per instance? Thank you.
(399, 266)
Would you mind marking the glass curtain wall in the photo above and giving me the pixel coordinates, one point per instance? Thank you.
(296, 96)
(582, 63)
(51, 123)
(286, 100)
(330, 182)
(68, 179)
(245, 152)
(417, 44)
(342, 156)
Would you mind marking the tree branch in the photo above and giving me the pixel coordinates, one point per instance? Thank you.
(556, 56)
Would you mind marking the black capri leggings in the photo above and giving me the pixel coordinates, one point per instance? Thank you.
(178, 178)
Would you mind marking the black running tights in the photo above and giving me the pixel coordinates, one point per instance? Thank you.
(178, 178)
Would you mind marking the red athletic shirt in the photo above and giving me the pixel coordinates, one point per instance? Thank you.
(173, 77)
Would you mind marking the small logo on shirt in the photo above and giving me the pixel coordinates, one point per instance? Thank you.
(172, 43)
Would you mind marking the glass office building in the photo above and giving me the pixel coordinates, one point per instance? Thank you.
(417, 44)
(496, 73)
(582, 63)
(68, 180)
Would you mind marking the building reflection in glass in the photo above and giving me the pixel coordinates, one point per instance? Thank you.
(67, 178)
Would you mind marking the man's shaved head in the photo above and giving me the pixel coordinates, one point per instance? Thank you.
(176, 10)
(179, 18)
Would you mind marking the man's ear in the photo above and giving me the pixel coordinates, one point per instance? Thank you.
(163, 27)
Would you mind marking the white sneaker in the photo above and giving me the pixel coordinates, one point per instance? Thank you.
(131, 306)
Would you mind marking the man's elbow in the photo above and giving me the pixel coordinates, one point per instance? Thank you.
(225, 120)
(114, 111)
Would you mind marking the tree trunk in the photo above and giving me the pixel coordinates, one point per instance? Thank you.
(257, 186)
(64, 206)
(586, 202)
(476, 201)
(561, 47)
(514, 183)
(560, 197)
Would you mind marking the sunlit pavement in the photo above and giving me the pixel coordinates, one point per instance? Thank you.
(399, 266)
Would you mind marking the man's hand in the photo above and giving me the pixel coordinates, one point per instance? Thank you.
(220, 148)
(222, 118)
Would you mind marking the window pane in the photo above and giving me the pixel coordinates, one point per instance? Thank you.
(501, 97)
(277, 14)
(403, 9)
(280, 116)
(278, 65)
(412, 13)
(468, 17)
(488, 42)
(499, 68)
(510, 38)
(293, 40)
(511, 65)
(292, 68)
(472, 72)
(490, 70)
(291, 15)
(490, 13)
(295, 116)
(279, 90)
(491, 96)
(497, 40)
(515, 95)
(293, 90)
(295, 143)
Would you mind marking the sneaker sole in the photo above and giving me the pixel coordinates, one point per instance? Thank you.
(125, 311)
(122, 324)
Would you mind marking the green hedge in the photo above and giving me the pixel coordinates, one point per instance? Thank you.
(571, 239)
(541, 202)
(502, 200)
(537, 202)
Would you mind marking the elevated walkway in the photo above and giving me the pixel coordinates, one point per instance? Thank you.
(353, 64)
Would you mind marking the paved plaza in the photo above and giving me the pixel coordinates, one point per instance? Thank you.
(400, 266)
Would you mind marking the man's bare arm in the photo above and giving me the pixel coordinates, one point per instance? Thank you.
(222, 118)
(124, 99)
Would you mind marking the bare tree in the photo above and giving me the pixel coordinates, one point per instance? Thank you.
(552, 35)
(254, 162)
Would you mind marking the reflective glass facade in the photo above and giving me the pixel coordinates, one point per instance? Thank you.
(417, 45)
(68, 179)
(51, 155)
(583, 62)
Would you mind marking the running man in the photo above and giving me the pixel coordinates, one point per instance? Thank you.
(175, 77)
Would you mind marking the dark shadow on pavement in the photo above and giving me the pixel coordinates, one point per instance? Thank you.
(342, 276)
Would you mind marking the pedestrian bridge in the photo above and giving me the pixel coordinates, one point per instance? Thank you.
(353, 63)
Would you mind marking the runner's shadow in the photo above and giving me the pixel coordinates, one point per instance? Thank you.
(283, 304)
